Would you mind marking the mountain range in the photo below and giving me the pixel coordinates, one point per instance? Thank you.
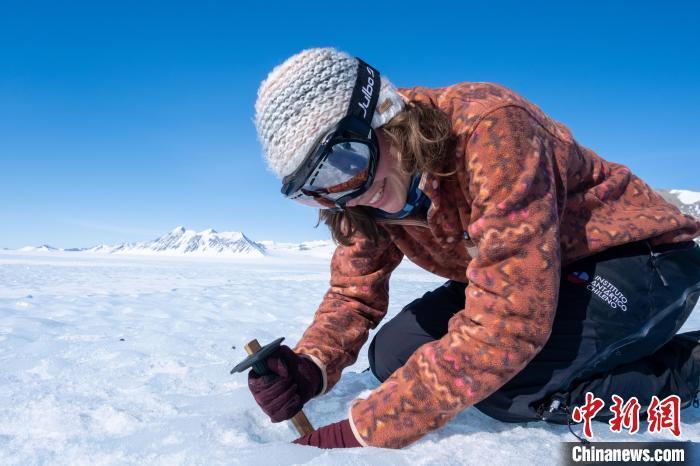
(181, 241)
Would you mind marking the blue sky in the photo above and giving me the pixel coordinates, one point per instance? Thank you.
(120, 120)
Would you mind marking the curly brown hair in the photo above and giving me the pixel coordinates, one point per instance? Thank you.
(422, 136)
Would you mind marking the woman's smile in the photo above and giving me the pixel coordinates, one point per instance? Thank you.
(378, 195)
(374, 197)
(390, 187)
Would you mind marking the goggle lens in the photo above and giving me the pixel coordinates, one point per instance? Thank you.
(344, 170)
(345, 163)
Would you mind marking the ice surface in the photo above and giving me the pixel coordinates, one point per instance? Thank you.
(125, 360)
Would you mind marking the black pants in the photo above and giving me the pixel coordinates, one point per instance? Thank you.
(614, 333)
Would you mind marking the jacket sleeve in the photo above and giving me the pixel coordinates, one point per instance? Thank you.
(356, 302)
(510, 298)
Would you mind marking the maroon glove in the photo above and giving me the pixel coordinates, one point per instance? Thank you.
(297, 380)
(338, 435)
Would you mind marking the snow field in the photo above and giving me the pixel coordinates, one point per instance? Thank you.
(113, 360)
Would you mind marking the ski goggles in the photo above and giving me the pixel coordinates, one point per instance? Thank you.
(342, 164)
(341, 167)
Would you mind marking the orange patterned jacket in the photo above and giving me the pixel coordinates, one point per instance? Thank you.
(525, 200)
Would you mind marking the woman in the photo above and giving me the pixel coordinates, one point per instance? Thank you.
(566, 273)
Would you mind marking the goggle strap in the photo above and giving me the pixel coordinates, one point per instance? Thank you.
(365, 95)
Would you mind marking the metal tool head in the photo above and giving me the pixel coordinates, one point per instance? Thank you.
(257, 359)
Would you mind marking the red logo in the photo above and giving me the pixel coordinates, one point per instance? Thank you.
(661, 414)
(626, 416)
(578, 278)
(587, 412)
(665, 414)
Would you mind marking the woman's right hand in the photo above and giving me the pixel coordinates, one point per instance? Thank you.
(297, 380)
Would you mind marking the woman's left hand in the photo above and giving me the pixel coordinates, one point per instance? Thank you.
(337, 435)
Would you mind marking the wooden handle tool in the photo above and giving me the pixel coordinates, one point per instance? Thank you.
(300, 421)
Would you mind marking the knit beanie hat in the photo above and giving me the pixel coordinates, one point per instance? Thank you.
(301, 99)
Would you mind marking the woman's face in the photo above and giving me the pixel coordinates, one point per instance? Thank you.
(390, 187)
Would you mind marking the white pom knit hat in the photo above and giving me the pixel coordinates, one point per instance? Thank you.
(304, 97)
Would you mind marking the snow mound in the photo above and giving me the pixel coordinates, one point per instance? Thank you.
(318, 248)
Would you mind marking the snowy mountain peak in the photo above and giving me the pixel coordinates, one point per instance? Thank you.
(181, 241)
(687, 201)
(178, 230)
(42, 248)
(686, 197)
